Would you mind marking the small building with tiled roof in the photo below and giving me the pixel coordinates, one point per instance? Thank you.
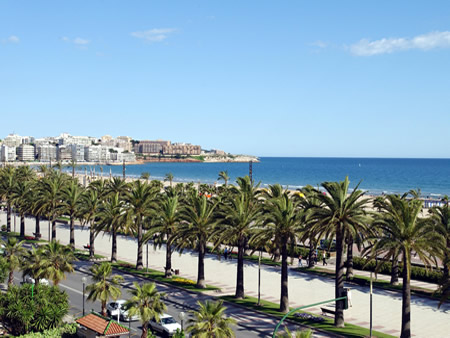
(94, 325)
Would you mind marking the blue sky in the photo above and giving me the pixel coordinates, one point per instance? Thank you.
(270, 78)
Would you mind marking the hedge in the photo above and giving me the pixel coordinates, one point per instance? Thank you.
(417, 272)
(68, 330)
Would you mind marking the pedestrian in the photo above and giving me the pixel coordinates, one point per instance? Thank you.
(300, 263)
(324, 259)
(225, 253)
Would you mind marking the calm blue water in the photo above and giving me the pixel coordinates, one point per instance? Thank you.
(432, 176)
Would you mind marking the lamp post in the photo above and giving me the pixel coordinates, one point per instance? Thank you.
(182, 316)
(259, 278)
(371, 304)
(83, 280)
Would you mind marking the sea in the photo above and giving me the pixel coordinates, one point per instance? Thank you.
(375, 175)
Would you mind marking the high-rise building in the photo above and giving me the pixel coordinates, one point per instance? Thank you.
(7, 154)
(25, 152)
(150, 147)
(64, 153)
(77, 152)
(46, 152)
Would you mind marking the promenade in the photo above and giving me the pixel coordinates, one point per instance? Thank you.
(427, 319)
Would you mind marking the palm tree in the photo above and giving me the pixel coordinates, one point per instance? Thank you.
(73, 165)
(140, 204)
(165, 225)
(196, 229)
(21, 199)
(90, 207)
(223, 175)
(50, 195)
(7, 186)
(117, 185)
(71, 197)
(241, 212)
(169, 178)
(111, 219)
(146, 303)
(297, 334)
(145, 176)
(210, 321)
(340, 213)
(282, 222)
(13, 252)
(57, 261)
(404, 231)
(105, 284)
(440, 216)
(32, 264)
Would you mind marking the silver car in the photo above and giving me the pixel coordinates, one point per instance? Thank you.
(166, 325)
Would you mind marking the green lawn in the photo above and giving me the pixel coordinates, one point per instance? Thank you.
(327, 325)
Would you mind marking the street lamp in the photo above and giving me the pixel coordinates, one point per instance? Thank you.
(83, 280)
(182, 315)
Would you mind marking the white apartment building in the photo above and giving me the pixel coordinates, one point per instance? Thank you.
(7, 154)
(123, 156)
(46, 153)
(64, 153)
(77, 152)
(12, 140)
(25, 152)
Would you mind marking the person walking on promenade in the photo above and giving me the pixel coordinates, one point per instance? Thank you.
(225, 253)
(300, 263)
(324, 259)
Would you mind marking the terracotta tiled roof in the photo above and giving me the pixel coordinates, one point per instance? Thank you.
(102, 325)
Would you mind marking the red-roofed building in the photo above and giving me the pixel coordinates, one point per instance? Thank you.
(94, 325)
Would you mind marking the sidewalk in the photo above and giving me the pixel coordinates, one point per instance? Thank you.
(427, 319)
(331, 266)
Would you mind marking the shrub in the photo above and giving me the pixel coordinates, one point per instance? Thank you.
(28, 308)
(417, 272)
(66, 331)
(3, 227)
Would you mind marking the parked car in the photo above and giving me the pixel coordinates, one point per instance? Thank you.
(114, 308)
(166, 325)
(30, 280)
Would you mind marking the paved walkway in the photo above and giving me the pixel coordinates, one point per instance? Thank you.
(427, 319)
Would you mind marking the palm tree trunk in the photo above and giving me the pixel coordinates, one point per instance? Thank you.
(139, 264)
(53, 228)
(339, 283)
(284, 300)
(72, 233)
(406, 299)
(201, 265)
(104, 314)
(8, 217)
(168, 269)
(349, 272)
(240, 270)
(394, 270)
(114, 247)
(22, 225)
(37, 229)
(144, 330)
(10, 278)
(311, 254)
(91, 241)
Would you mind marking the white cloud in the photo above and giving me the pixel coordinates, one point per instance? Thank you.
(80, 41)
(390, 45)
(13, 39)
(154, 35)
(319, 44)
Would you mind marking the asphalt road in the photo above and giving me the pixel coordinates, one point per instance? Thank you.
(175, 301)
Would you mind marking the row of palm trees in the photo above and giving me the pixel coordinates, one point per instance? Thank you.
(53, 261)
(241, 215)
